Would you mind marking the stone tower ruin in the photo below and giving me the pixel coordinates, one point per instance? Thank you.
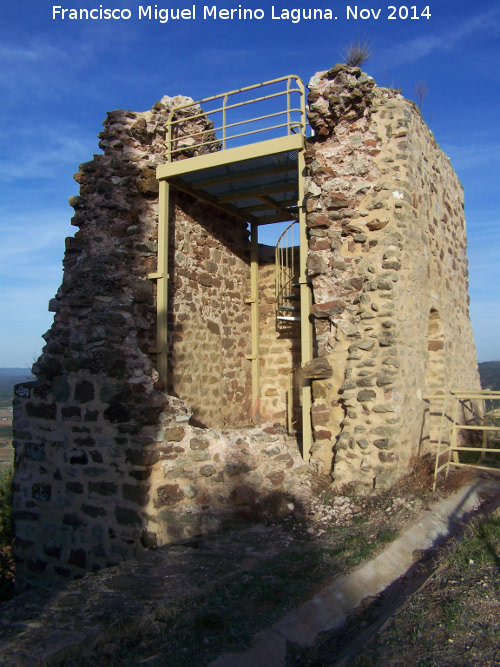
(139, 423)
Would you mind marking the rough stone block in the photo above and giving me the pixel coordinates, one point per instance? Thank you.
(366, 395)
(168, 494)
(42, 410)
(327, 309)
(127, 517)
(136, 493)
(41, 491)
(175, 434)
(317, 369)
(199, 444)
(93, 511)
(103, 488)
(388, 457)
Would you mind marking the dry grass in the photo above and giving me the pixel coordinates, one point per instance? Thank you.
(357, 52)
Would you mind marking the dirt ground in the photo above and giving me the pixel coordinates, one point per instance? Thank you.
(452, 620)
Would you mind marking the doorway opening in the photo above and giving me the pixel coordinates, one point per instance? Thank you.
(256, 184)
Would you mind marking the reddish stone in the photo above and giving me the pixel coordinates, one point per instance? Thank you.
(388, 457)
(168, 495)
(321, 244)
(320, 418)
(327, 309)
(317, 220)
(244, 495)
(317, 369)
(276, 478)
(322, 435)
(337, 200)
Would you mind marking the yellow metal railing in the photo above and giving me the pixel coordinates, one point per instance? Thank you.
(287, 276)
(234, 117)
(454, 407)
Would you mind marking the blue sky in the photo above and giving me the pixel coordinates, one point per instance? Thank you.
(58, 78)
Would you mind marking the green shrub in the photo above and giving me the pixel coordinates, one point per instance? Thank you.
(6, 534)
(6, 524)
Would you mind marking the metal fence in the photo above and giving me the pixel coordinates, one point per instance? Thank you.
(463, 413)
(239, 116)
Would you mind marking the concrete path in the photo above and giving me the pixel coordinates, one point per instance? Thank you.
(43, 626)
(328, 609)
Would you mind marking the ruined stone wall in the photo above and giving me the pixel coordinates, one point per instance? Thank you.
(279, 355)
(80, 431)
(91, 429)
(387, 260)
(209, 321)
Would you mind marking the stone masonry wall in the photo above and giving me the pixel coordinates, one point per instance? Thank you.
(79, 430)
(209, 320)
(90, 430)
(387, 252)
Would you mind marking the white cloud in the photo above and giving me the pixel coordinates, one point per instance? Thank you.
(14, 55)
(445, 41)
(30, 257)
(44, 161)
(42, 150)
(472, 155)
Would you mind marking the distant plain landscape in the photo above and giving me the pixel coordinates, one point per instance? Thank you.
(8, 378)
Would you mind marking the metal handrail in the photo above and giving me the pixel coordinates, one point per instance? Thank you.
(452, 448)
(286, 267)
(294, 121)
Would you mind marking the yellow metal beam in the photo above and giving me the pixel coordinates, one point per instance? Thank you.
(239, 154)
(306, 333)
(286, 203)
(272, 218)
(249, 193)
(277, 205)
(161, 277)
(254, 300)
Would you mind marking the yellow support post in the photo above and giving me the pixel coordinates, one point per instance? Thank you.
(161, 276)
(254, 291)
(306, 336)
